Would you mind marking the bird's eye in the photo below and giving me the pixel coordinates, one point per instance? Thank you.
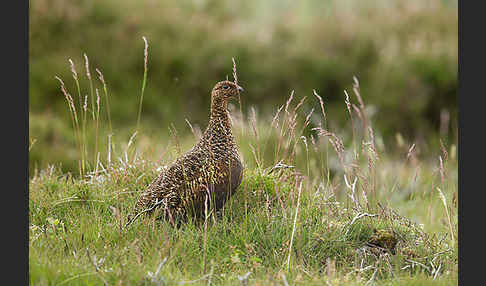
(226, 87)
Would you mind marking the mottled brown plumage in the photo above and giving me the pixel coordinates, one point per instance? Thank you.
(208, 174)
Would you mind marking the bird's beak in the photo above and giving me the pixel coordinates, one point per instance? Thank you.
(240, 89)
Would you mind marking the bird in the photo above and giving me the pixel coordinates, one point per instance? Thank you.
(204, 177)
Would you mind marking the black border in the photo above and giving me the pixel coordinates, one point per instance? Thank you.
(15, 120)
(471, 109)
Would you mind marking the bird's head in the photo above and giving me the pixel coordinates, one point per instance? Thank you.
(226, 90)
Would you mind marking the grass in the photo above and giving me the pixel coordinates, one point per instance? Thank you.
(317, 205)
(405, 52)
(76, 235)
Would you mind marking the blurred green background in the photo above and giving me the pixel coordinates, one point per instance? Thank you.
(404, 54)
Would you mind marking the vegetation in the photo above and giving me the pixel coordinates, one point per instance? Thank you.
(77, 236)
(403, 52)
(340, 188)
(314, 207)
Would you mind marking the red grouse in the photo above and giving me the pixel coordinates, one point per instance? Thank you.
(205, 176)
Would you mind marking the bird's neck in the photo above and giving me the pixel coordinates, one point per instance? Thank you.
(219, 113)
(219, 121)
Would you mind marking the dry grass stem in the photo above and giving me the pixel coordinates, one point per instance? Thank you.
(276, 117)
(444, 150)
(411, 151)
(321, 104)
(102, 79)
(88, 74)
(294, 226)
(144, 82)
(235, 76)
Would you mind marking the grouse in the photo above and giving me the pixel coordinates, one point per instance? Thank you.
(204, 177)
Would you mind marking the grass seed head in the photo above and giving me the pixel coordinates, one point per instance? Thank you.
(73, 70)
(235, 76)
(88, 73)
(321, 103)
(100, 76)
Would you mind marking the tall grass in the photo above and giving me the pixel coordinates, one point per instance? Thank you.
(143, 82)
(408, 57)
(317, 205)
(79, 116)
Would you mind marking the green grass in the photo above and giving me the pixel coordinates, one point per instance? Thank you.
(77, 235)
(315, 202)
(404, 52)
(70, 218)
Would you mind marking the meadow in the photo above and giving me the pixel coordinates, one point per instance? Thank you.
(351, 167)
(405, 54)
(316, 206)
